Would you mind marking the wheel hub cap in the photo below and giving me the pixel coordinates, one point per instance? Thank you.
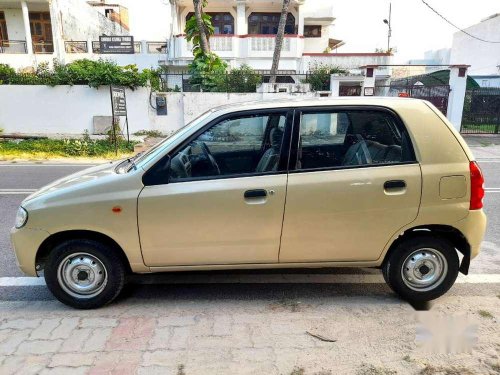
(82, 275)
(424, 269)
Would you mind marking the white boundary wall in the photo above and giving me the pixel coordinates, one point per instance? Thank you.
(70, 109)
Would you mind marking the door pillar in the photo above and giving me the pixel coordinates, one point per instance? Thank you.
(27, 28)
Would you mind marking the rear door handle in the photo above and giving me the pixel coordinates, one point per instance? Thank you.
(256, 193)
(394, 184)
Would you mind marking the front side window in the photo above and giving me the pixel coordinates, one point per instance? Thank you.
(235, 146)
(351, 138)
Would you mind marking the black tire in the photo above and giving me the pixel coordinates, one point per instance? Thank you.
(392, 269)
(114, 271)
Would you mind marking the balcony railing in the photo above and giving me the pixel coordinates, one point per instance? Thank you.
(157, 47)
(266, 44)
(76, 46)
(221, 43)
(43, 47)
(13, 46)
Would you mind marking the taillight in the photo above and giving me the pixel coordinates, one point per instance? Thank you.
(476, 186)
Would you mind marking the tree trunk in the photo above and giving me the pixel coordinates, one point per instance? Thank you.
(279, 41)
(198, 10)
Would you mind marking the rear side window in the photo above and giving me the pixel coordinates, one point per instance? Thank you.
(337, 139)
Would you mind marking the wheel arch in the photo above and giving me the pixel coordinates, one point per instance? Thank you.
(452, 234)
(57, 238)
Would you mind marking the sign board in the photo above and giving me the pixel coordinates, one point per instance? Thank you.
(116, 44)
(118, 101)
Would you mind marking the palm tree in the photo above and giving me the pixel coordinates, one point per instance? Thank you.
(198, 13)
(279, 41)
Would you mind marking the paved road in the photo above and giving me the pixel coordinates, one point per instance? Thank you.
(28, 177)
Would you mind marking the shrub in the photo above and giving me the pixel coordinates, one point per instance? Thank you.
(6, 73)
(243, 79)
(319, 77)
(82, 72)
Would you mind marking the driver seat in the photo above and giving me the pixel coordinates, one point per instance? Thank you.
(269, 160)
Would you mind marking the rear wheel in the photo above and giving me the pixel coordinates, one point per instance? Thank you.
(422, 268)
(84, 274)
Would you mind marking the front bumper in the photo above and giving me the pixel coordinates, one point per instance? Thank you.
(26, 242)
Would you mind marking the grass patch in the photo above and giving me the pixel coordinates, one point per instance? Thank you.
(298, 371)
(485, 314)
(57, 148)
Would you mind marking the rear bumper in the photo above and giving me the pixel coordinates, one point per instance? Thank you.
(26, 242)
(473, 228)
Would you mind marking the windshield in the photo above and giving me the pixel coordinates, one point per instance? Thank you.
(129, 163)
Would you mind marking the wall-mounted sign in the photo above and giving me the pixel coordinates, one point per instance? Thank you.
(116, 44)
(369, 91)
(118, 101)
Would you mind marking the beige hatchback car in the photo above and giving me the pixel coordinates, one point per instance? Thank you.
(362, 182)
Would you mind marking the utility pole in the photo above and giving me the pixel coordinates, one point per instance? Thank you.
(389, 31)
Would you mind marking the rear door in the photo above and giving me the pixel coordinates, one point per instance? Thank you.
(353, 183)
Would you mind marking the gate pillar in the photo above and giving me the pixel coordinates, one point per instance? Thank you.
(369, 81)
(458, 85)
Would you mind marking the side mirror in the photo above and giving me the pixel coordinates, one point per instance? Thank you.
(158, 174)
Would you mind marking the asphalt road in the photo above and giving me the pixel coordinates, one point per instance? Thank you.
(33, 176)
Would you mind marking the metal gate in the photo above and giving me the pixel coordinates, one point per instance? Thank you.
(436, 94)
(481, 111)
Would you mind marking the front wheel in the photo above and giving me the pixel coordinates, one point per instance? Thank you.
(422, 268)
(84, 274)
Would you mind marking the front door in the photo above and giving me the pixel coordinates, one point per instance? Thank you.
(224, 199)
(355, 184)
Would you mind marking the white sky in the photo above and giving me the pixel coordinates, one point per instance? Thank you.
(415, 28)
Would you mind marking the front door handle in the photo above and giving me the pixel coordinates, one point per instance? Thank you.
(394, 184)
(256, 193)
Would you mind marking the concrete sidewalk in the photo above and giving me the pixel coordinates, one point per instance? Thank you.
(373, 333)
(484, 146)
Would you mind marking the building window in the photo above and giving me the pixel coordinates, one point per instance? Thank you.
(267, 23)
(3, 27)
(312, 31)
(108, 13)
(41, 32)
(223, 22)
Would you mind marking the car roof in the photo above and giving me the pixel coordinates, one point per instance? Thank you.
(313, 102)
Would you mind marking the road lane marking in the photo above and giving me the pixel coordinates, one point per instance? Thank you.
(48, 165)
(176, 278)
(17, 191)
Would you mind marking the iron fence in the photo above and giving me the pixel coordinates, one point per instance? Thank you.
(237, 81)
(481, 113)
(13, 46)
(71, 46)
(436, 94)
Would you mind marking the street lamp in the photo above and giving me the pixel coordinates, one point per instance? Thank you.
(389, 31)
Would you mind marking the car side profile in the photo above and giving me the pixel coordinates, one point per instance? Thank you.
(354, 182)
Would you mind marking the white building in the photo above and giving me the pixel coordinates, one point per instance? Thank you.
(483, 57)
(245, 34)
(34, 31)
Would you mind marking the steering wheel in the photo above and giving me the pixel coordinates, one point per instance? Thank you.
(209, 156)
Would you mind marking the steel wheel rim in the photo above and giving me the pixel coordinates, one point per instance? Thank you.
(82, 275)
(424, 269)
